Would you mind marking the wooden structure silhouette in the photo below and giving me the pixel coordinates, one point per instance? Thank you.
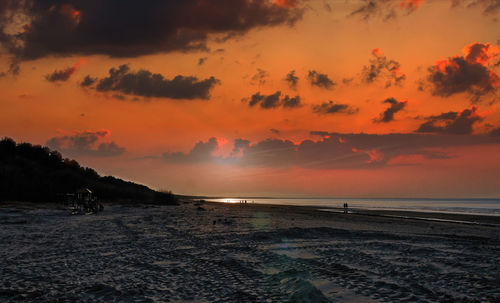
(84, 202)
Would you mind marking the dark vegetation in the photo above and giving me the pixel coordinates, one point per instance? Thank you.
(37, 174)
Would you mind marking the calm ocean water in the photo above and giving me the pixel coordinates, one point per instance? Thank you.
(469, 206)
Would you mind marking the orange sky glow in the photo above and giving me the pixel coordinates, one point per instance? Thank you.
(333, 98)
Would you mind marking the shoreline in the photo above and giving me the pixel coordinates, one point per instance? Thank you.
(476, 207)
(433, 216)
(472, 219)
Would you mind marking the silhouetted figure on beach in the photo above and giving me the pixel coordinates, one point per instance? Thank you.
(346, 206)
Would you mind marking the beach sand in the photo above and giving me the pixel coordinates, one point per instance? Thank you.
(245, 253)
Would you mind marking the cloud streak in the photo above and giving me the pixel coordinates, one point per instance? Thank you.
(146, 84)
(333, 150)
(330, 107)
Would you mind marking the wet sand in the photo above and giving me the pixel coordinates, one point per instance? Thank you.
(245, 253)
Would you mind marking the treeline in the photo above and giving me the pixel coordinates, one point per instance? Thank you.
(37, 174)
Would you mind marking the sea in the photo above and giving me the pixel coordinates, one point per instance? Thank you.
(457, 206)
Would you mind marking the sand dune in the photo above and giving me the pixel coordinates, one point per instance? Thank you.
(242, 253)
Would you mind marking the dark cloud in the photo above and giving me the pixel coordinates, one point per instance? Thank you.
(260, 77)
(266, 102)
(275, 131)
(130, 28)
(371, 8)
(202, 60)
(13, 70)
(292, 79)
(381, 67)
(60, 75)
(347, 81)
(273, 101)
(330, 107)
(319, 133)
(64, 74)
(334, 150)
(120, 97)
(388, 114)
(255, 99)
(86, 144)
(291, 102)
(495, 132)
(472, 73)
(320, 80)
(459, 123)
(457, 75)
(88, 81)
(201, 152)
(143, 83)
(239, 145)
(109, 149)
(26, 96)
(489, 7)
(385, 9)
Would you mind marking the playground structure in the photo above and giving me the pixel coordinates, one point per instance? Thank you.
(84, 202)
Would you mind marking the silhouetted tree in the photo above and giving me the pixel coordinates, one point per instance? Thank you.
(35, 173)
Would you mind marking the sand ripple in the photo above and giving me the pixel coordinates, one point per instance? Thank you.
(169, 254)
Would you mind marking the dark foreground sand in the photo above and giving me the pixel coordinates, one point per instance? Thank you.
(253, 253)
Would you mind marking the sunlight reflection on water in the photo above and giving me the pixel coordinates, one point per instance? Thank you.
(460, 206)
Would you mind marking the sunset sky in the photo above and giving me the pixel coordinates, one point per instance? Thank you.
(341, 98)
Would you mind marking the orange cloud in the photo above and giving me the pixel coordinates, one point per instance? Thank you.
(473, 72)
(482, 53)
(286, 3)
(376, 52)
(411, 5)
